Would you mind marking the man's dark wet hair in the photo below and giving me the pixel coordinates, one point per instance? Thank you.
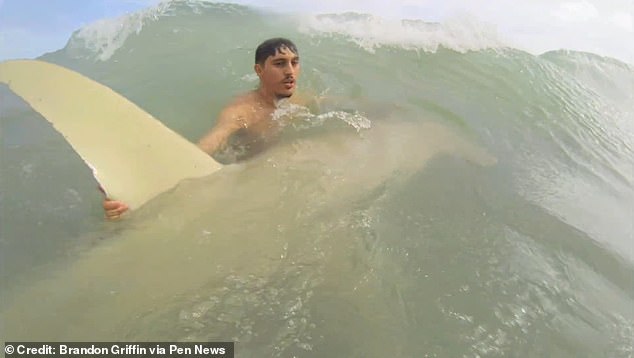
(270, 47)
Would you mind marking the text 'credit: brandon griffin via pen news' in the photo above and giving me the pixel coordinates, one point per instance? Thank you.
(119, 349)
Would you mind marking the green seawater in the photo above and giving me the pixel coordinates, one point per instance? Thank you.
(491, 216)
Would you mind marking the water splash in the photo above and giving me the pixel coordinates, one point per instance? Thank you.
(301, 118)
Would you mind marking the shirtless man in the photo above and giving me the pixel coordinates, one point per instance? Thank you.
(246, 126)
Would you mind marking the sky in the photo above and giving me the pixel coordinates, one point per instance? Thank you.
(29, 28)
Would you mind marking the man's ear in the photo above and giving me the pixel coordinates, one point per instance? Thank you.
(258, 69)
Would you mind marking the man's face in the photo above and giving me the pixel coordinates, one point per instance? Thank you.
(280, 72)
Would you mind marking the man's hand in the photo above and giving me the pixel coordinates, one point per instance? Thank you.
(114, 209)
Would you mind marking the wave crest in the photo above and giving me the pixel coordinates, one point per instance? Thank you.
(370, 32)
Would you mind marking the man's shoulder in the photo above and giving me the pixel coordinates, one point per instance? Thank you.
(239, 103)
(236, 107)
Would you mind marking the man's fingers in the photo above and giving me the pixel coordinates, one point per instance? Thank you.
(117, 211)
(115, 214)
(114, 205)
(114, 209)
(111, 205)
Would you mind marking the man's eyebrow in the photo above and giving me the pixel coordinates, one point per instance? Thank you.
(282, 59)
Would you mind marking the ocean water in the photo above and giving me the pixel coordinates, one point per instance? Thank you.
(451, 197)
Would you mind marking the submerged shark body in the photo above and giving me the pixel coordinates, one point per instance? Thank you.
(213, 246)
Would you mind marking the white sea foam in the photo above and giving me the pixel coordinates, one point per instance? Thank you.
(304, 119)
(603, 27)
(104, 37)
(371, 31)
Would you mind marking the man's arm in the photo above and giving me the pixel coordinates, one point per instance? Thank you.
(228, 123)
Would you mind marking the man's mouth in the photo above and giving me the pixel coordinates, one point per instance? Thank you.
(289, 83)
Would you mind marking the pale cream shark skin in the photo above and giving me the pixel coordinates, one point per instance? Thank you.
(231, 223)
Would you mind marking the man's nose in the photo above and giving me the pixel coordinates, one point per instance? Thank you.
(288, 69)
